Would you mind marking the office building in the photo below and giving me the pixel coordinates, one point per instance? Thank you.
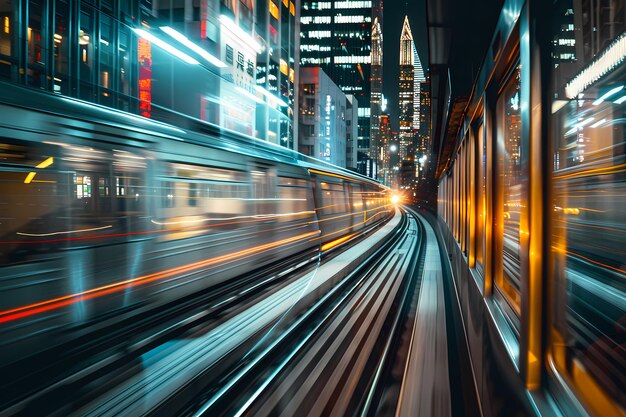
(322, 117)
(336, 35)
(352, 131)
(139, 56)
(277, 70)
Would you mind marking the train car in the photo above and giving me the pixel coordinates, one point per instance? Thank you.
(531, 206)
(104, 215)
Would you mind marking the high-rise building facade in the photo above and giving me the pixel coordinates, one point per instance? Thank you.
(352, 131)
(411, 75)
(424, 145)
(336, 35)
(322, 117)
(277, 72)
(138, 56)
(376, 90)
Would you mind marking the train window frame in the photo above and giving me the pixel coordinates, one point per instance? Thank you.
(507, 297)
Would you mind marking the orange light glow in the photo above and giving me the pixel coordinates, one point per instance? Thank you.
(337, 242)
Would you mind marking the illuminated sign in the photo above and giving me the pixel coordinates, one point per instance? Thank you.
(144, 56)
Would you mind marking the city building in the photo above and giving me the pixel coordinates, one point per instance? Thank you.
(322, 117)
(352, 131)
(336, 35)
(424, 145)
(385, 150)
(277, 72)
(138, 56)
(376, 90)
(411, 75)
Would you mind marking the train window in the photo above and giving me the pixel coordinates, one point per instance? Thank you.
(510, 195)
(588, 217)
(82, 184)
(333, 198)
(33, 200)
(292, 193)
(192, 195)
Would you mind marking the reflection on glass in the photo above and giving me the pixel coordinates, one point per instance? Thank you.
(61, 47)
(35, 44)
(86, 48)
(480, 198)
(510, 172)
(589, 219)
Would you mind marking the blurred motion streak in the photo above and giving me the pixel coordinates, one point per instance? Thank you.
(337, 242)
(48, 305)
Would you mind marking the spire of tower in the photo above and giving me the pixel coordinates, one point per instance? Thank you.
(406, 30)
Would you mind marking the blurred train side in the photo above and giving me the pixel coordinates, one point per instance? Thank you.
(104, 215)
(531, 207)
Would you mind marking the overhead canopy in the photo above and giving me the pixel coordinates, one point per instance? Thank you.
(459, 32)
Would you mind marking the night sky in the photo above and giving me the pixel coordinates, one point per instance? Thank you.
(393, 17)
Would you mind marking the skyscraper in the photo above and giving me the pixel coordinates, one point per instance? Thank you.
(277, 70)
(336, 35)
(411, 75)
(322, 127)
(424, 118)
(376, 91)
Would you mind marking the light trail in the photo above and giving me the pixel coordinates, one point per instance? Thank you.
(63, 301)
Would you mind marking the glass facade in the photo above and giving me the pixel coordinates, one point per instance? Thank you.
(139, 55)
(337, 36)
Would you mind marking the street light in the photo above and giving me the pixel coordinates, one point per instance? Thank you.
(393, 148)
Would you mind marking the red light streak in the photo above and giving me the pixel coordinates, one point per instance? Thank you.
(63, 301)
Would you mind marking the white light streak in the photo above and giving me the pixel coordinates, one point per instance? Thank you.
(165, 46)
(256, 217)
(596, 124)
(196, 48)
(270, 95)
(238, 32)
(249, 95)
(608, 94)
(612, 56)
(620, 100)
(66, 232)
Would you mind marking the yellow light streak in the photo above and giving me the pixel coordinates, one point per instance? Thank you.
(337, 242)
(257, 216)
(46, 163)
(29, 177)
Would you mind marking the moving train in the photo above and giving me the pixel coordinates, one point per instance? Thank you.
(532, 193)
(104, 214)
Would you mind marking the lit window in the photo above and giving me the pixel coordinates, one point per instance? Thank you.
(319, 34)
(274, 10)
(352, 19)
(353, 5)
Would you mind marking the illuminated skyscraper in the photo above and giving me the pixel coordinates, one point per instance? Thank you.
(376, 91)
(424, 116)
(336, 35)
(411, 75)
(277, 70)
